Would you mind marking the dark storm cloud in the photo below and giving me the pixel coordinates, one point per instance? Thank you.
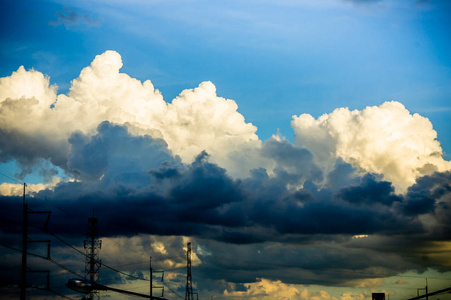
(142, 188)
(293, 163)
(115, 155)
(371, 191)
(432, 194)
(135, 185)
(320, 263)
(29, 150)
(427, 192)
(342, 175)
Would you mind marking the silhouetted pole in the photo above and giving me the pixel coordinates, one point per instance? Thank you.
(427, 289)
(431, 294)
(150, 267)
(189, 282)
(23, 282)
(92, 263)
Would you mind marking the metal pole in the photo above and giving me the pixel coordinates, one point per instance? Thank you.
(150, 267)
(23, 284)
(427, 289)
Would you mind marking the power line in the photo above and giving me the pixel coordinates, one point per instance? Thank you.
(36, 196)
(123, 273)
(42, 257)
(63, 267)
(81, 223)
(11, 178)
(104, 265)
(222, 258)
(84, 254)
(53, 291)
(63, 241)
(174, 292)
(50, 260)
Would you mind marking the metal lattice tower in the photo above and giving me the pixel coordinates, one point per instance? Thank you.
(189, 282)
(93, 263)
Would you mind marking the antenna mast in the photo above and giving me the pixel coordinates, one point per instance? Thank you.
(92, 247)
(189, 283)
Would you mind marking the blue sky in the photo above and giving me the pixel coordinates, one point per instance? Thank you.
(273, 196)
(274, 59)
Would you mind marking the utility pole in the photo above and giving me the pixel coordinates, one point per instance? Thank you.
(25, 241)
(150, 264)
(447, 290)
(189, 282)
(426, 289)
(92, 247)
(151, 281)
(23, 281)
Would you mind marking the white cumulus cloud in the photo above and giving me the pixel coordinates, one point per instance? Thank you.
(385, 139)
(36, 126)
(37, 123)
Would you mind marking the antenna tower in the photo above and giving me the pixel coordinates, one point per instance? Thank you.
(92, 263)
(189, 282)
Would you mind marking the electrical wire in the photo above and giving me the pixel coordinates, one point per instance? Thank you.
(63, 241)
(36, 196)
(50, 260)
(80, 223)
(11, 178)
(104, 265)
(123, 273)
(52, 291)
(43, 257)
(174, 292)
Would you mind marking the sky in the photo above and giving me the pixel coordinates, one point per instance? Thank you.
(302, 147)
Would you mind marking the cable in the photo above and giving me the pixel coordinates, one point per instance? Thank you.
(50, 260)
(63, 241)
(10, 247)
(52, 291)
(11, 178)
(131, 264)
(164, 283)
(104, 265)
(84, 254)
(79, 221)
(123, 273)
(63, 267)
(43, 257)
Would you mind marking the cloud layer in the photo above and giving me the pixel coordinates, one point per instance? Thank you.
(37, 123)
(386, 140)
(194, 168)
(197, 120)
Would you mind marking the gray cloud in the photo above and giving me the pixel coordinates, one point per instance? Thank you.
(70, 17)
(136, 177)
(241, 223)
